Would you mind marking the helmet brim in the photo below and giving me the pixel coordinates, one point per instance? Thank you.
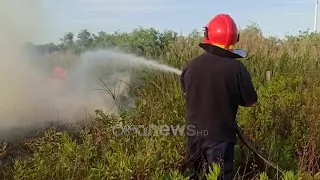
(238, 53)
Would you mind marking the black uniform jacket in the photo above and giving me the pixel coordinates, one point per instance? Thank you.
(215, 84)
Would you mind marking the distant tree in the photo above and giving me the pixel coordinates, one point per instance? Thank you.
(253, 29)
(67, 42)
(50, 48)
(85, 40)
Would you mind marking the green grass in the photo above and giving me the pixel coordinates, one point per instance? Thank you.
(284, 126)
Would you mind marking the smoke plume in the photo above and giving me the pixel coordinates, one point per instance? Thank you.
(28, 96)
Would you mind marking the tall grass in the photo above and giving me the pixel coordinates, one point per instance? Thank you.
(284, 126)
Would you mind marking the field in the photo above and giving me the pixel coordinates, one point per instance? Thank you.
(284, 126)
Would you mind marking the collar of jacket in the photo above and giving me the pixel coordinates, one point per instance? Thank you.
(219, 51)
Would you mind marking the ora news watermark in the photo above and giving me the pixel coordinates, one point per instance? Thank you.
(157, 130)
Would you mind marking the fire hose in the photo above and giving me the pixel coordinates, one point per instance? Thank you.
(255, 151)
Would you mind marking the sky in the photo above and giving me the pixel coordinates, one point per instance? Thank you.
(275, 17)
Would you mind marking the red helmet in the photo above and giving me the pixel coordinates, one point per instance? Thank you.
(222, 32)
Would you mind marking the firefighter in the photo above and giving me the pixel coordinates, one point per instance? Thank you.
(215, 84)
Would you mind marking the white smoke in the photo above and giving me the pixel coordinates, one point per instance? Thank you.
(30, 96)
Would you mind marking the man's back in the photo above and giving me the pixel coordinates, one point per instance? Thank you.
(214, 88)
(215, 84)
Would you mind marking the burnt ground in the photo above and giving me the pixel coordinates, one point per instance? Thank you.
(15, 146)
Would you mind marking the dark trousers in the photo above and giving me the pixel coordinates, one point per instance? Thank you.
(202, 153)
